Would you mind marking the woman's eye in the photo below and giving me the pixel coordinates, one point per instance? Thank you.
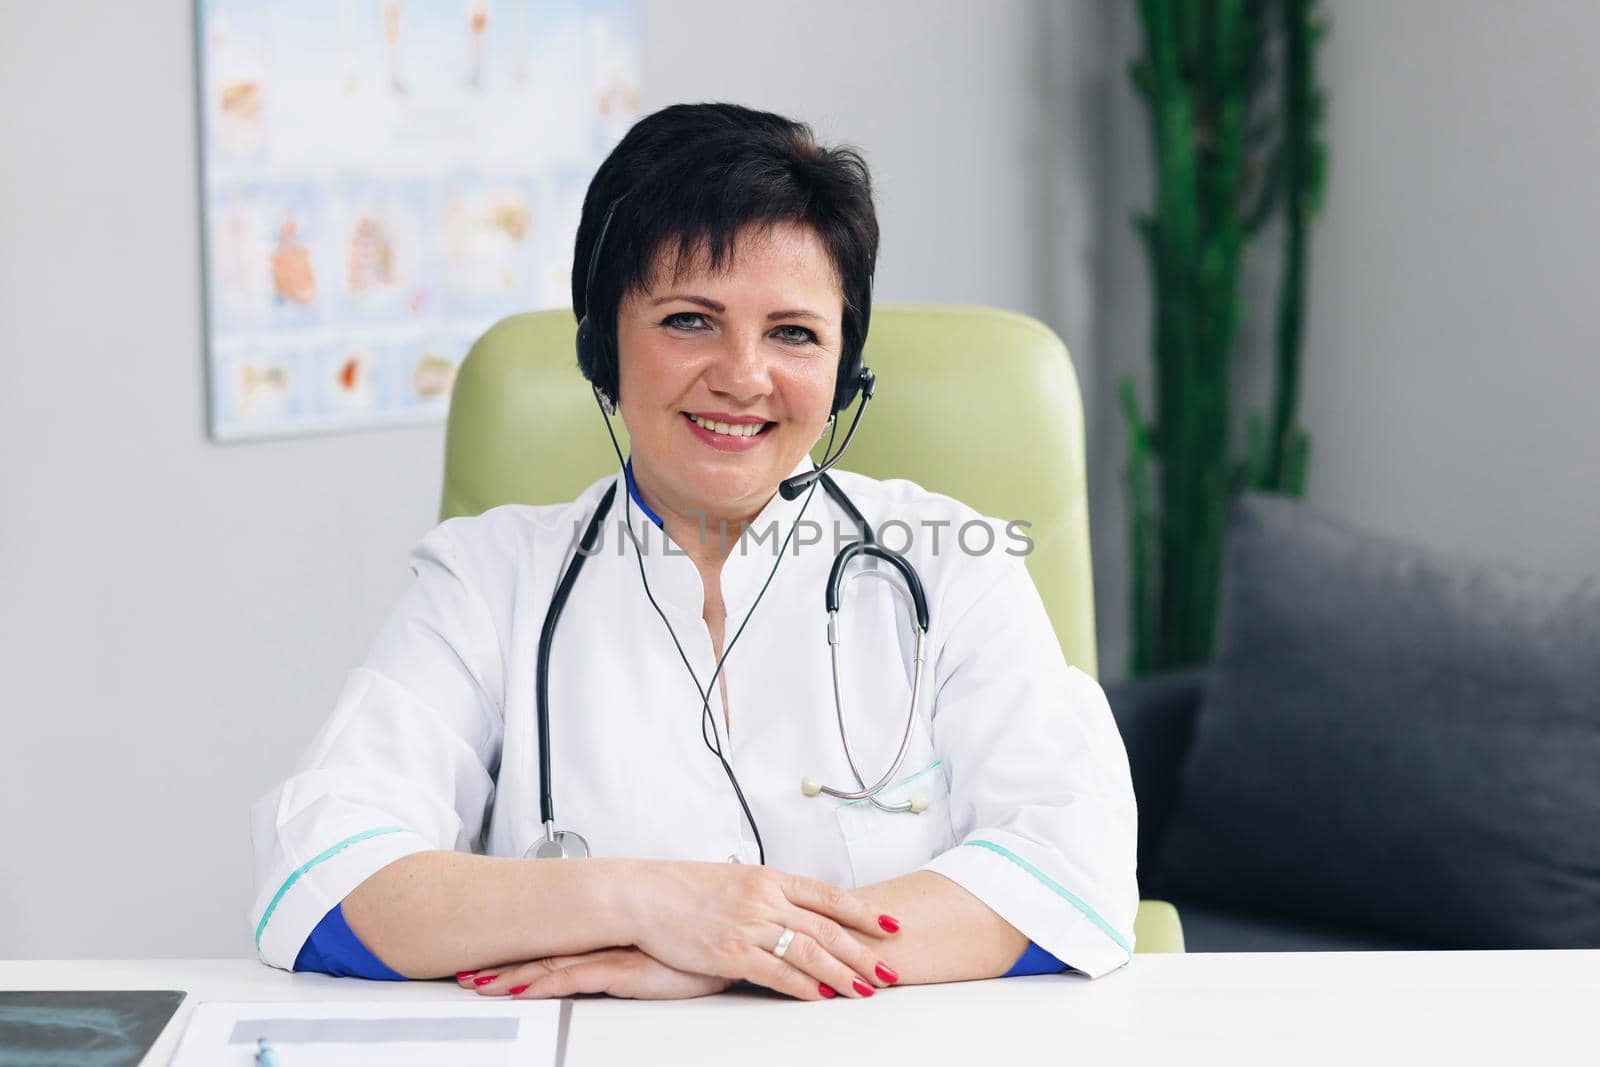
(694, 321)
(797, 334)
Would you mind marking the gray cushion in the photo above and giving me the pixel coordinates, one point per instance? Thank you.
(1209, 930)
(1394, 741)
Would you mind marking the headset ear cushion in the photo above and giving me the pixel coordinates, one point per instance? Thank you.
(585, 343)
(848, 386)
(593, 357)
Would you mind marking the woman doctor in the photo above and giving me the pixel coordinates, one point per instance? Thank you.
(730, 286)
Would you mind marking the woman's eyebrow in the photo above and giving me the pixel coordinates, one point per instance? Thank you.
(706, 302)
(702, 301)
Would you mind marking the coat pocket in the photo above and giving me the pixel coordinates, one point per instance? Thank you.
(886, 844)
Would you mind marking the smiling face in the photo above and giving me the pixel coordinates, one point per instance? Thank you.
(726, 379)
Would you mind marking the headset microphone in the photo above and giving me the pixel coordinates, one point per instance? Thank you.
(793, 487)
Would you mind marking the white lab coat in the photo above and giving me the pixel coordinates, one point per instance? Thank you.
(433, 743)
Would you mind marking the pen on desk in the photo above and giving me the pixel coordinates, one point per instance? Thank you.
(265, 1056)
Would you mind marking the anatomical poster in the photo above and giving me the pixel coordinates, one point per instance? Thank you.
(382, 181)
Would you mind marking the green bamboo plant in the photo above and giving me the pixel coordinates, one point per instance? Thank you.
(1231, 149)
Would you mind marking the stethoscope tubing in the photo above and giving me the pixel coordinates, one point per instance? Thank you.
(871, 792)
(866, 546)
(546, 639)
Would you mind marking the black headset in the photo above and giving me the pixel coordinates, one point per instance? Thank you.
(597, 352)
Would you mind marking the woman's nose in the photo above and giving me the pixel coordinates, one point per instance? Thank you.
(740, 370)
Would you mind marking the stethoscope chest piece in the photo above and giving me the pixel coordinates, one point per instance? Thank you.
(558, 845)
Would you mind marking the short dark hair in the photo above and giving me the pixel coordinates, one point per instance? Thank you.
(695, 175)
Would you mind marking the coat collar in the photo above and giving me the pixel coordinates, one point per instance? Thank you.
(674, 580)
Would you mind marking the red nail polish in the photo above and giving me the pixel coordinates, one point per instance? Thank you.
(861, 987)
(826, 990)
(485, 980)
(886, 973)
(518, 989)
(464, 974)
(889, 923)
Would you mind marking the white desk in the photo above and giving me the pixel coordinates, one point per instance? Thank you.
(1344, 1009)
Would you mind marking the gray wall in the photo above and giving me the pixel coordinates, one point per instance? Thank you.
(1453, 352)
(176, 617)
(1454, 386)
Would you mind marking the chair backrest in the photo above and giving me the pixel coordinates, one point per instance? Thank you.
(976, 403)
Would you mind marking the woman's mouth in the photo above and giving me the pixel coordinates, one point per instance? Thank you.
(738, 435)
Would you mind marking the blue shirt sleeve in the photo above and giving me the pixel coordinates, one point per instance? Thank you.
(1035, 960)
(333, 948)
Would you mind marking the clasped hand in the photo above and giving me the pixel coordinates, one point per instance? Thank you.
(696, 928)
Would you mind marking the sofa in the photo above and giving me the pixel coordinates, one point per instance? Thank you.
(1391, 748)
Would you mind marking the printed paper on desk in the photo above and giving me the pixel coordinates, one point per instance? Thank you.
(334, 1034)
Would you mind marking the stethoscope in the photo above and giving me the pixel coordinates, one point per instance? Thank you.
(569, 844)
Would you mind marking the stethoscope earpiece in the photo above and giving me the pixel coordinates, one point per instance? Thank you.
(813, 788)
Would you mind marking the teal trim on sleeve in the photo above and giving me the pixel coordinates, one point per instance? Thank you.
(327, 853)
(1060, 890)
(895, 785)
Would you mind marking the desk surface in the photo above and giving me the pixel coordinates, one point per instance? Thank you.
(1347, 1009)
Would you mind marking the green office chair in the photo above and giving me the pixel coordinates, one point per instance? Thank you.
(979, 404)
